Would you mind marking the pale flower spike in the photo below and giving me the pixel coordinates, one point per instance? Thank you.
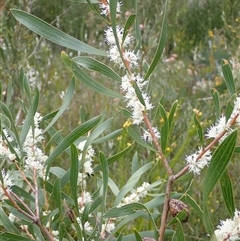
(229, 229)
(35, 157)
(196, 165)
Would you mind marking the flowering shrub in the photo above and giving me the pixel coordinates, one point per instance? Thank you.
(40, 200)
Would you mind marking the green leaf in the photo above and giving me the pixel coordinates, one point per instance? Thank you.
(22, 193)
(6, 223)
(88, 81)
(96, 203)
(97, 132)
(67, 99)
(6, 111)
(125, 210)
(128, 25)
(227, 191)
(138, 139)
(199, 129)
(114, 158)
(108, 137)
(70, 138)
(130, 212)
(90, 63)
(132, 181)
(161, 43)
(13, 237)
(29, 121)
(179, 234)
(216, 101)
(207, 220)
(74, 174)
(218, 164)
(104, 165)
(164, 129)
(194, 205)
(53, 34)
(172, 113)
(137, 235)
(57, 195)
(227, 72)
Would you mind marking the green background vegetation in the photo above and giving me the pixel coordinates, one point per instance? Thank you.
(200, 35)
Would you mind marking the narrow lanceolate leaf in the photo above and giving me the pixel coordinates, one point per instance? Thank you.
(227, 72)
(104, 165)
(179, 234)
(137, 235)
(189, 200)
(161, 43)
(53, 34)
(165, 128)
(6, 223)
(216, 101)
(138, 139)
(67, 99)
(124, 210)
(57, 195)
(6, 112)
(227, 191)
(207, 220)
(90, 63)
(13, 237)
(74, 173)
(172, 114)
(87, 80)
(29, 121)
(199, 129)
(218, 164)
(73, 136)
(114, 158)
(128, 25)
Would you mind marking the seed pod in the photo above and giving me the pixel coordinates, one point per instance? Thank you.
(176, 206)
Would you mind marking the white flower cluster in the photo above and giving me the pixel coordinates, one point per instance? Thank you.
(104, 5)
(6, 183)
(221, 126)
(5, 152)
(35, 157)
(136, 195)
(147, 136)
(197, 164)
(87, 166)
(128, 59)
(107, 228)
(229, 229)
(129, 56)
(132, 99)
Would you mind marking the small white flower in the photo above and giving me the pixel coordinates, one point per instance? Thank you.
(84, 199)
(136, 195)
(6, 183)
(106, 8)
(229, 229)
(131, 58)
(195, 164)
(147, 136)
(217, 129)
